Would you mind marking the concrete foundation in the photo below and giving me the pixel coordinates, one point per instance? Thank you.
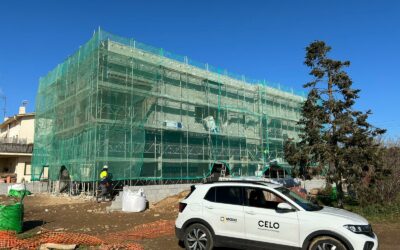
(34, 187)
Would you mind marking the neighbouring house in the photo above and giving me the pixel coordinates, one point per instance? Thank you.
(16, 146)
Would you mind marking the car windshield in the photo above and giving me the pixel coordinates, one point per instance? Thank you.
(306, 204)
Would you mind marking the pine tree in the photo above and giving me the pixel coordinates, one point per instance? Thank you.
(335, 136)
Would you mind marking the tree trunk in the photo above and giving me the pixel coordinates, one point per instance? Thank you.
(340, 194)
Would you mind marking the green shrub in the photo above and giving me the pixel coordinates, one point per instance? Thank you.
(378, 212)
(328, 196)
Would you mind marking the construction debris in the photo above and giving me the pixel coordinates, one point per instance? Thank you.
(169, 204)
(49, 246)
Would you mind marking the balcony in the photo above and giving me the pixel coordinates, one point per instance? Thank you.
(15, 145)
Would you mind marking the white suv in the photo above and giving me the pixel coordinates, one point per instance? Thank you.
(242, 214)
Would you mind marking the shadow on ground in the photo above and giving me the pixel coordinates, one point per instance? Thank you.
(31, 224)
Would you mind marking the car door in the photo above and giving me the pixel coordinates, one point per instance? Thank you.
(263, 222)
(223, 210)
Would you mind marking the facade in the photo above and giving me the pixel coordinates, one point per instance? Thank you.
(16, 145)
(152, 115)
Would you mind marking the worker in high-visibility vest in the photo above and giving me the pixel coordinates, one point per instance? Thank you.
(105, 185)
(104, 173)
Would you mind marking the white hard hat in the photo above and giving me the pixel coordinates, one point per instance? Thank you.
(105, 167)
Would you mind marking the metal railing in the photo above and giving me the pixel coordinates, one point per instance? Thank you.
(13, 140)
(15, 145)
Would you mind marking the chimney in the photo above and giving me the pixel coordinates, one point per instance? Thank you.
(21, 110)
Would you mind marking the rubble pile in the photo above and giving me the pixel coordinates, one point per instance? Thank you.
(169, 204)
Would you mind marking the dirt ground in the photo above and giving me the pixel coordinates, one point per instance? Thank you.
(66, 214)
(78, 215)
(388, 234)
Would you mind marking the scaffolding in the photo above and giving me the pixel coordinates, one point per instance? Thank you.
(152, 115)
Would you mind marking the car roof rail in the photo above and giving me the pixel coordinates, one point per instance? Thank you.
(260, 181)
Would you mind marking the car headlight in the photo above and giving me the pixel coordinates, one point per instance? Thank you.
(360, 229)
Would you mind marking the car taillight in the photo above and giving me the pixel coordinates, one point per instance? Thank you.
(181, 206)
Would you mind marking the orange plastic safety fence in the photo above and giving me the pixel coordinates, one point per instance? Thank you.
(10, 240)
(118, 240)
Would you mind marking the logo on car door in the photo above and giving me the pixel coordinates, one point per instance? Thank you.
(268, 225)
(228, 219)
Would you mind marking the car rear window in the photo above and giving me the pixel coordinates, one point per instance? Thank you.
(225, 194)
(210, 196)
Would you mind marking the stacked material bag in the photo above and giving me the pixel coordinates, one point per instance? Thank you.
(18, 191)
(12, 217)
(12, 209)
(133, 201)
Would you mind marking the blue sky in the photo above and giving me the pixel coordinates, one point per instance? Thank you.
(260, 39)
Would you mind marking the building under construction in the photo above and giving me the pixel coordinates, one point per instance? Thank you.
(152, 115)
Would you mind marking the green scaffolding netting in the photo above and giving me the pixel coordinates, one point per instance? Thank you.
(151, 114)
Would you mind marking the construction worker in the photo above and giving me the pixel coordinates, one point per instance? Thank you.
(104, 172)
(105, 182)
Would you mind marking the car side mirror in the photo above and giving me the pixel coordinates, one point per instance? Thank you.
(284, 207)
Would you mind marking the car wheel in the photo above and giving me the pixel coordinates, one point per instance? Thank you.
(326, 243)
(198, 237)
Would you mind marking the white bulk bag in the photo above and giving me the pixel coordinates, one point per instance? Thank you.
(133, 201)
(17, 187)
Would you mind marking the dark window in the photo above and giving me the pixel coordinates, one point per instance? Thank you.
(229, 195)
(199, 114)
(256, 197)
(210, 196)
(203, 112)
